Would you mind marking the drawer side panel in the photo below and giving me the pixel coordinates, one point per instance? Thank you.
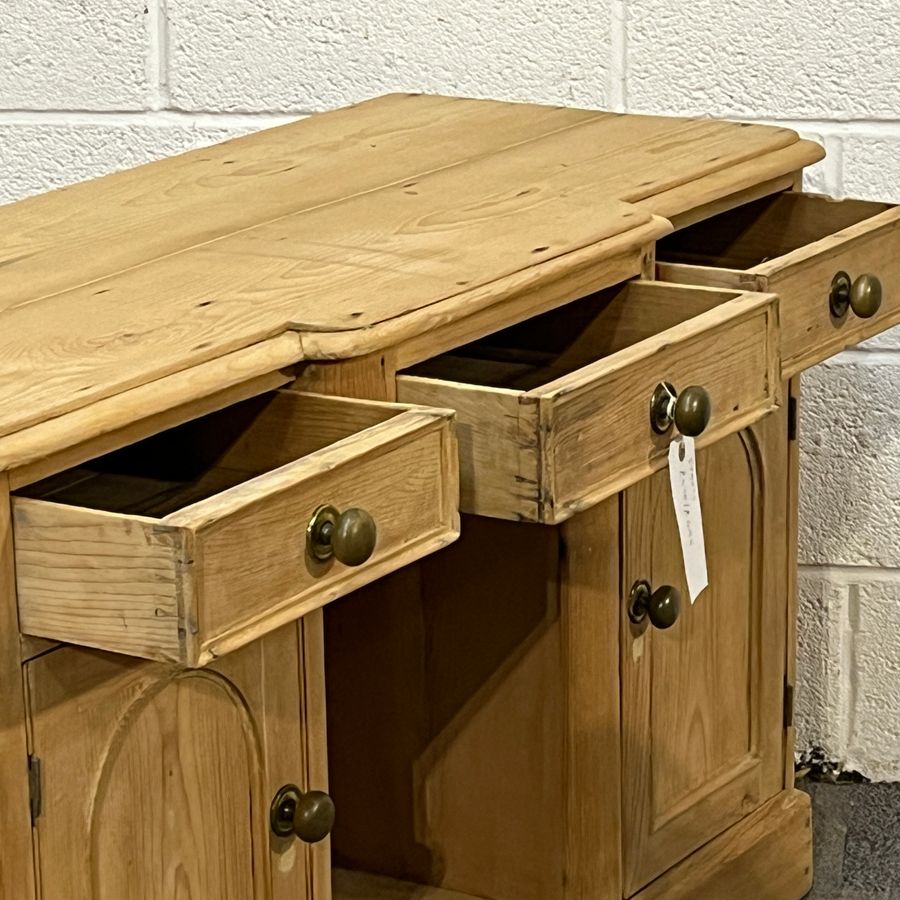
(99, 579)
(498, 444)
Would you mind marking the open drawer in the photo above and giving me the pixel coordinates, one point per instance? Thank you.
(798, 246)
(554, 414)
(196, 541)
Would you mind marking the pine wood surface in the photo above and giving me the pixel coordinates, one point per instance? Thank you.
(16, 859)
(792, 245)
(341, 224)
(765, 856)
(157, 782)
(702, 701)
(553, 414)
(157, 553)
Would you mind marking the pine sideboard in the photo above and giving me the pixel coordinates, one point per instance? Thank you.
(339, 552)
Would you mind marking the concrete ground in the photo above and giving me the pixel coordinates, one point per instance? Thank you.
(856, 841)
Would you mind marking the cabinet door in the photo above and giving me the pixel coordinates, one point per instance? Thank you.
(702, 715)
(156, 783)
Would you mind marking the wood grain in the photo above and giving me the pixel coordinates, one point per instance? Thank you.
(71, 439)
(158, 783)
(766, 855)
(702, 702)
(413, 201)
(793, 392)
(590, 598)
(541, 442)
(192, 584)
(17, 876)
(792, 245)
(80, 233)
(101, 580)
(311, 641)
(502, 780)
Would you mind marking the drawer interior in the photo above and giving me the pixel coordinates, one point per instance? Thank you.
(194, 461)
(764, 229)
(555, 344)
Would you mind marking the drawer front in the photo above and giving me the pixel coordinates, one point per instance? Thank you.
(794, 245)
(803, 280)
(221, 572)
(544, 454)
(598, 437)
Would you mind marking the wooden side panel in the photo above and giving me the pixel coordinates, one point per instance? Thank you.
(17, 859)
(311, 636)
(252, 569)
(491, 796)
(157, 783)
(455, 734)
(792, 391)
(600, 439)
(99, 580)
(767, 854)
(498, 444)
(702, 702)
(592, 737)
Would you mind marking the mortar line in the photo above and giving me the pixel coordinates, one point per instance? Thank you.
(618, 56)
(837, 150)
(854, 572)
(850, 665)
(150, 117)
(158, 54)
(832, 166)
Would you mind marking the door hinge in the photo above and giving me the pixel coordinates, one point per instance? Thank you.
(34, 786)
(788, 704)
(792, 418)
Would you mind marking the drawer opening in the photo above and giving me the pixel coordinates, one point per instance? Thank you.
(189, 544)
(765, 229)
(196, 460)
(553, 414)
(557, 343)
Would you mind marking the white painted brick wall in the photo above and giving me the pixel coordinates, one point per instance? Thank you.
(91, 85)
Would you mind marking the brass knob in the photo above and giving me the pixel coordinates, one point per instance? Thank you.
(308, 815)
(348, 536)
(661, 606)
(690, 410)
(863, 295)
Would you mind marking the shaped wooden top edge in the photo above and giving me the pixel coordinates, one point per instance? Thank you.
(138, 318)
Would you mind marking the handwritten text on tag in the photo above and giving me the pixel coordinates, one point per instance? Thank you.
(686, 497)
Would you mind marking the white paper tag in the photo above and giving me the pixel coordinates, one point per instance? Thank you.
(686, 497)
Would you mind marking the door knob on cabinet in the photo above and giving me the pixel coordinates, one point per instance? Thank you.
(661, 606)
(689, 410)
(308, 815)
(348, 536)
(863, 295)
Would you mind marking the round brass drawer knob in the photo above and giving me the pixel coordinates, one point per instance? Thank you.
(661, 606)
(348, 536)
(863, 296)
(689, 410)
(308, 815)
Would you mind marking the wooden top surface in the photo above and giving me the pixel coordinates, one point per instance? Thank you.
(406, 209)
